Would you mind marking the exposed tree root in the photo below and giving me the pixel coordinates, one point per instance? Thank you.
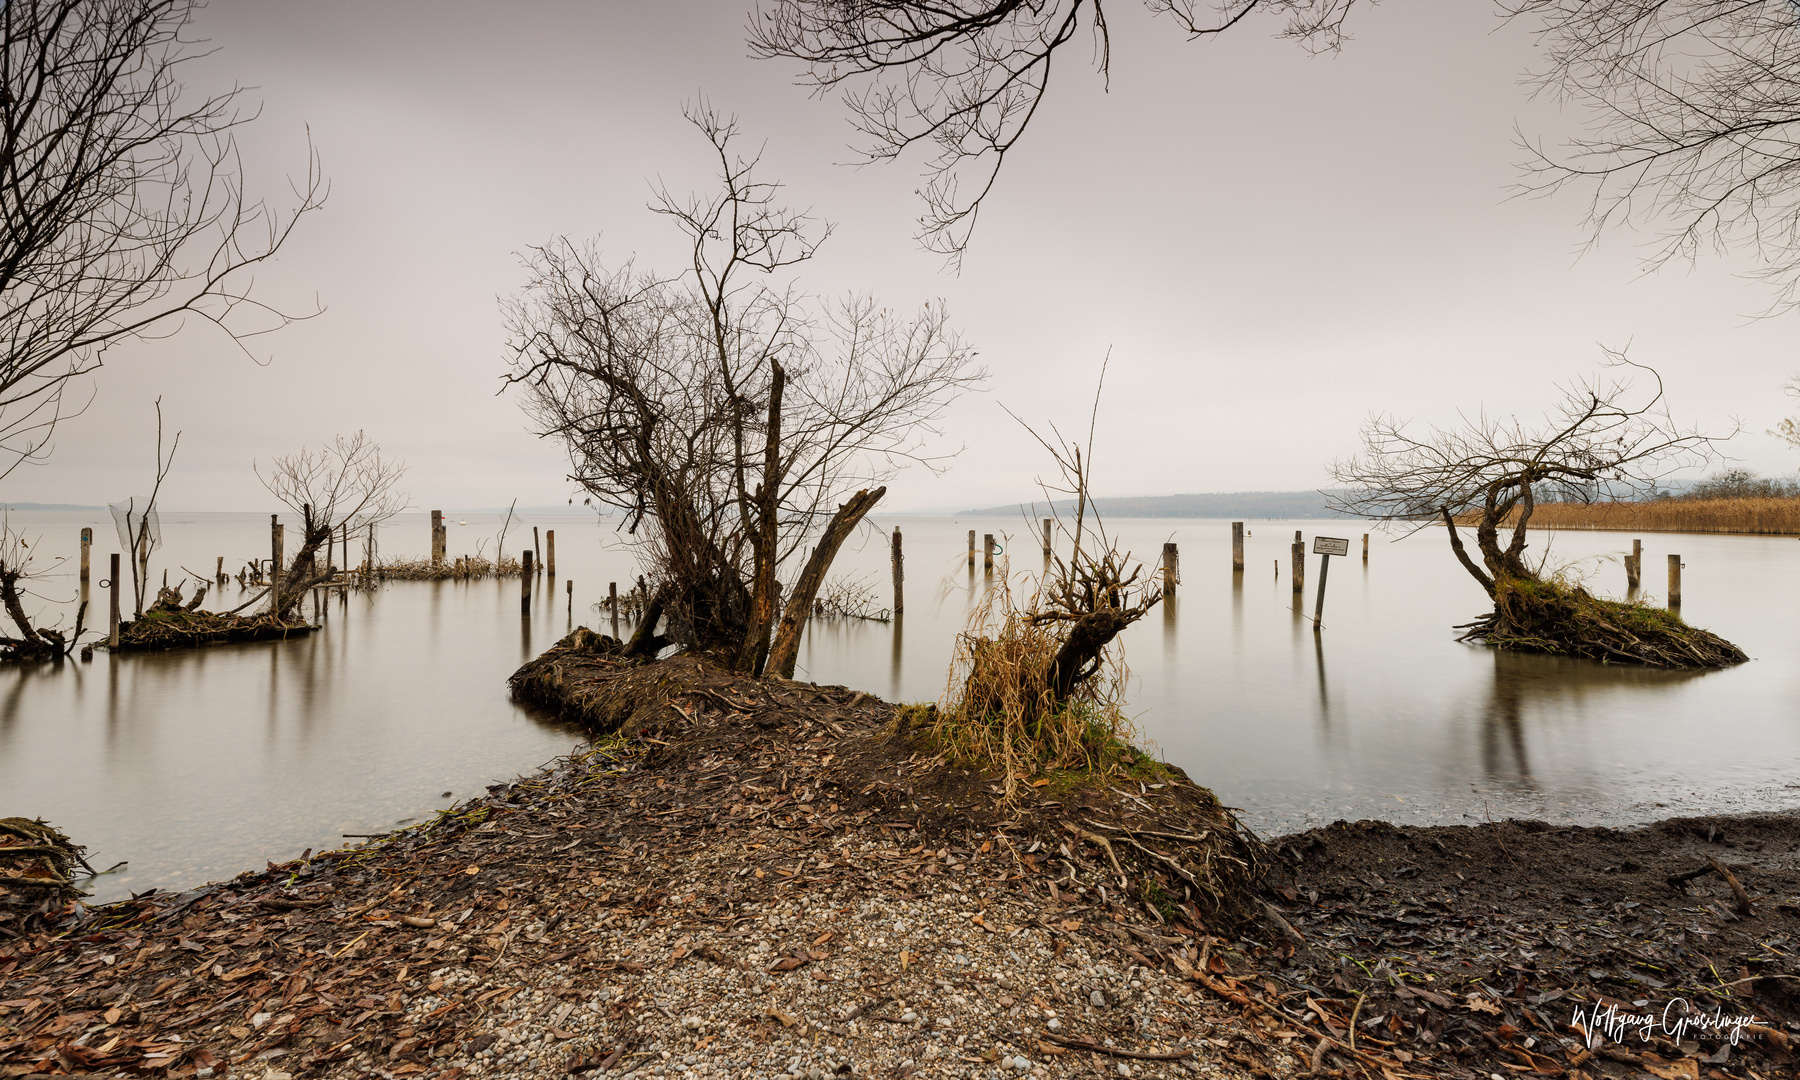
(1549, 617)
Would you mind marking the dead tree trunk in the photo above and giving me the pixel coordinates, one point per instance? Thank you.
(786, 649)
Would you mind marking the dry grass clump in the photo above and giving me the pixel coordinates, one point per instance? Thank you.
(1765, 516)
(462, 568)
(999, 710)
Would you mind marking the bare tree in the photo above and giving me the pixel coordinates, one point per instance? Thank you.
(731, 418)
(123, 199)
(346, 483)
(1599, 442)
(1696, 105)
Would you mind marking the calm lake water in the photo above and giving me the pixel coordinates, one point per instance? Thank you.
(197, 765)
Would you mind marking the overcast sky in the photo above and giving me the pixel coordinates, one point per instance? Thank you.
(1271, 244)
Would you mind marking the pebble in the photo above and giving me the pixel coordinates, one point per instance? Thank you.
(1098, 999)
(1124, 1069)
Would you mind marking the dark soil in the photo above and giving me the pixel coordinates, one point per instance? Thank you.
(1476, 947)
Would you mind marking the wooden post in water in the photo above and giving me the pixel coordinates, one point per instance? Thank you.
(1299, 559)
(550, 552)
(274, 565)
(1365, 549)
(1674, 583)
(1237, 546)
(525, 583)
(87, 546)
(1047, 546)
(437, 522)
(899, 575)
(1634, 565)
(369, 553)
(218, 571)
(112, 631)
(971, 549)
(987, 552)
(612, 602)
(1171, 569)
(569, 587)
(534, 546)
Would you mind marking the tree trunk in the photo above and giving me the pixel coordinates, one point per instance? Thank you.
(1462, 553)
(765, 543)
(9, 595)
(644, 641)
(1081, 650)
(786, 649)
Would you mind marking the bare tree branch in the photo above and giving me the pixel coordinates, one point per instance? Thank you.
(123, 200)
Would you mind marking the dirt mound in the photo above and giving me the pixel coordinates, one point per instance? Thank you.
(1168, 844)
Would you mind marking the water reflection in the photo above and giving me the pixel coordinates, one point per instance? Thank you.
(899, 635)
(402, 696)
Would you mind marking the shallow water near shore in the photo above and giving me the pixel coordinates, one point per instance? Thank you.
(200, 764)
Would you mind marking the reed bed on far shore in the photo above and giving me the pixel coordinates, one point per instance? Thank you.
(462, 568)
(1769, 517)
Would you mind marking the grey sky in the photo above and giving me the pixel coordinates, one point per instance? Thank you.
(1271, 244)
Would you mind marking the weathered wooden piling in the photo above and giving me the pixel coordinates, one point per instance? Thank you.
(218, 574)
(1365, 549)
(1299, 559)
(550, 552)
(112, 586)
(899, 575)
(1047, 546)
(525, 583)
(1634, 566)
(1237, 546)
(535, 550)
(569, 587)
(987, 552)
(369, 553)
(971, 549)
(1171, 568)
(1674, 582)
(437, 538)
(274, 564)
(87, 547)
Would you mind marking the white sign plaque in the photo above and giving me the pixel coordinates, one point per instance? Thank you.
(1330, 545)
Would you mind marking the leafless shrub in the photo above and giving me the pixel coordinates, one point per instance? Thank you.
(344, 483)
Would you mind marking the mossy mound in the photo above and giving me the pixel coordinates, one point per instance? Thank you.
(187, 629)
(1540, 616)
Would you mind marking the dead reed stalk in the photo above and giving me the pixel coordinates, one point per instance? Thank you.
(1753, 516)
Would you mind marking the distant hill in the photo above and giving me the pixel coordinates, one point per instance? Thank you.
(47, 506)
(1234, 504)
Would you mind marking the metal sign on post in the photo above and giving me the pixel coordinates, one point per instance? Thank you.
(1325, 547)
